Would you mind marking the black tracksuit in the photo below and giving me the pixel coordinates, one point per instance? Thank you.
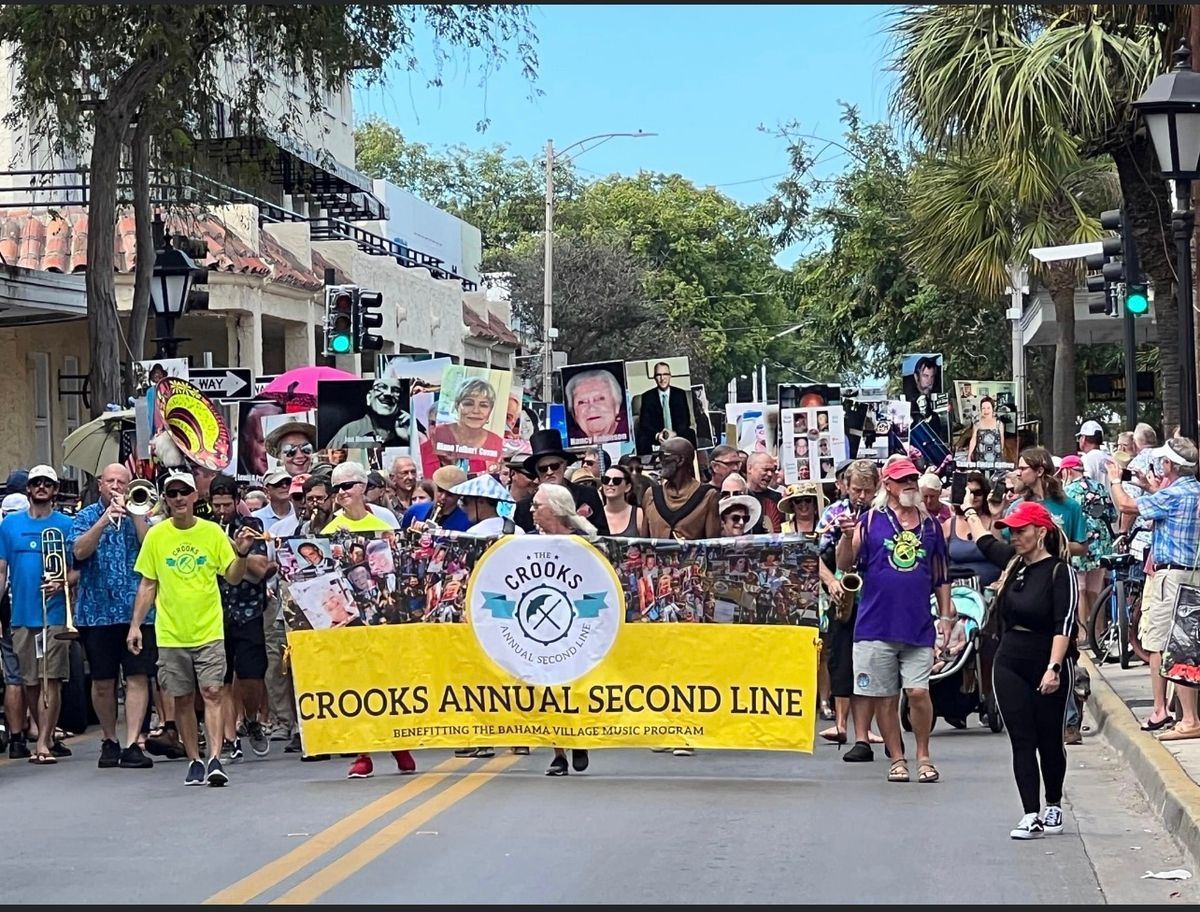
(1038, 603)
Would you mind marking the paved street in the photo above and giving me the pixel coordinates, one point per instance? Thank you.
(717, 827)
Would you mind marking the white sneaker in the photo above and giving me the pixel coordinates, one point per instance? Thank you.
(1052, 820)
(1030, 827)
(684, 752)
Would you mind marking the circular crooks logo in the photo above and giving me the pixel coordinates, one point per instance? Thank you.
(545, 608)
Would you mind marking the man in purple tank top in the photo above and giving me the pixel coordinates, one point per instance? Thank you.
(900, 553)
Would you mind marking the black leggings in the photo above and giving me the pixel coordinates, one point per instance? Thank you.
(1034, 722)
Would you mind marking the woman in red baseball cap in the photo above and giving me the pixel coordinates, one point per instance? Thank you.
(1033, 672)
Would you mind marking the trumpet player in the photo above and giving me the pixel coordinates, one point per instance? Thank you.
(105, 539)
(179, 563)
(39, 609)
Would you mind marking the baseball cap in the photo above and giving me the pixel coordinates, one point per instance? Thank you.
(298, 483)
(1090, 429)
(1166, 451)
(1027, 513)
(42, 471)
(376, 480)
(13, 503)
(1070, 461)
(276, 476)
(899, 469)
(348, 471)
(447, 478)
(182, 477)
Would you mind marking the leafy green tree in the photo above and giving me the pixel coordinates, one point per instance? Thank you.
(1052, 82)
(95, 68)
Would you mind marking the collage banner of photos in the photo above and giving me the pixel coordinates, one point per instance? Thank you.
(356, 579)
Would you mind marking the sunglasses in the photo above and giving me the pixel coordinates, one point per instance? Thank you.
(975, 492)
(346, 486)
(299, 498)
(176, 492)
(41, 483)
(613, 480)
(292, 449)
(549, 468)
(738, 519)
(587, 462)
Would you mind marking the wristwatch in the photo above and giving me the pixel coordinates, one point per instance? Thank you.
(1054, 667)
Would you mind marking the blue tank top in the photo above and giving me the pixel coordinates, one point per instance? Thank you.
(965, 555)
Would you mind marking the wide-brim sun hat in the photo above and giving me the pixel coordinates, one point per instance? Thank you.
(742, 500)
(483, 486)
(798, 491)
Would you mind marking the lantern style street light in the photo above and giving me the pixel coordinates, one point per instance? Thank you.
(169, 287)
(1171, 109)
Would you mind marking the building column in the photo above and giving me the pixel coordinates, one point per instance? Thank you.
(245, 340)
(299, 345)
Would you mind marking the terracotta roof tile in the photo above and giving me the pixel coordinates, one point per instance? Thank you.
(500, 331)
(320, 264)
(38, 240)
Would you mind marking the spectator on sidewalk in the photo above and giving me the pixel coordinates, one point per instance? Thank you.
(1173, 506)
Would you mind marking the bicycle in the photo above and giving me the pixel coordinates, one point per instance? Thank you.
(1113, 606)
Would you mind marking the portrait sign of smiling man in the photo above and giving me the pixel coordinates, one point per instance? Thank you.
(597, 410)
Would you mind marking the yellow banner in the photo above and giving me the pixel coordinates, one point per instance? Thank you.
(659, 685)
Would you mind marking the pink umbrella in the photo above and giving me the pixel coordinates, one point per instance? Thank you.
(296, 389)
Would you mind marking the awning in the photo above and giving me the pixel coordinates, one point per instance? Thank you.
(32, 296)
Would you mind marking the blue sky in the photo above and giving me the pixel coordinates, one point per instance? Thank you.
(702, 77)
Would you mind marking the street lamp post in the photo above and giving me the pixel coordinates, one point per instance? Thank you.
(1171, 108)
(548, 335)
(169, 287)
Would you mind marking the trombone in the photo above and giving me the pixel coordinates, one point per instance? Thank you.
(54, 570)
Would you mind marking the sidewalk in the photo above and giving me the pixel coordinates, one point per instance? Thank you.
(1168, 771)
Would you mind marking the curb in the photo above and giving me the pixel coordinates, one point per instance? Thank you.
(1172, 793)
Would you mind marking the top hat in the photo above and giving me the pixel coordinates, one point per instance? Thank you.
(546, 442)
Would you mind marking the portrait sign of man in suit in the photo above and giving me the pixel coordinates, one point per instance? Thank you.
(662, 407)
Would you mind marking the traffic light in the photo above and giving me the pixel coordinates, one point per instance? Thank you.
(1120, 272)
(369, 316)
(341, 315)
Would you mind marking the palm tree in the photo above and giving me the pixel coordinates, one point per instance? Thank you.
(1054, 83)
(973, 214)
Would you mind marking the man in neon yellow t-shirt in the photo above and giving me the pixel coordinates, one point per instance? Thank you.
(350, 494)
(179, 562)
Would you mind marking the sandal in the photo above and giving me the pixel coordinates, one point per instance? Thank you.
(826, 711)
(43, 759)
(834, 736)
(898, 771)
(927, 772)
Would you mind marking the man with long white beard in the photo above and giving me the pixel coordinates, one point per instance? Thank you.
(900, 553)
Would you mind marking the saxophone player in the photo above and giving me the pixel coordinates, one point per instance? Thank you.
(39, 609)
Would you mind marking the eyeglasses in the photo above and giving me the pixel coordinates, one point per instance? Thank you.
(176, 492)
(292, 449)
(613, 480)
(314, 499)
(549, 468)
(738, 519)
(346, 486)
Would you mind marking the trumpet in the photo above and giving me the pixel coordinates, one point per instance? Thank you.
(141, 497)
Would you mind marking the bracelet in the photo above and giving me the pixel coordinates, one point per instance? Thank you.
(971, 512)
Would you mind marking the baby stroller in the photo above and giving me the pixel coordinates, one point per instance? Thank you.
(953, 701)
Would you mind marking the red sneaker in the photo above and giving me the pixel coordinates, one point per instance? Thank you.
(405, 762)
(361, 768)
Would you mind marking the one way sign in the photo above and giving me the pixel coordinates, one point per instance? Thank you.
(228, 383)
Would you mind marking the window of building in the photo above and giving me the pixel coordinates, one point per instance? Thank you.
(39, 384)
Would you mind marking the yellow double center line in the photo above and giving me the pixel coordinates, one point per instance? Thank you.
(340, 869)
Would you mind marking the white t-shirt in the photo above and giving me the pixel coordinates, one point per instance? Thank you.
(492, 526)
(385, 514)
(269, 517)
(1095, 464)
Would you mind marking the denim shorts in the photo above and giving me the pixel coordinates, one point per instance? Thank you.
(8, 660)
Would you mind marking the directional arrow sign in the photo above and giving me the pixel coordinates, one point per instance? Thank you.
(228, 383)
(262, 381)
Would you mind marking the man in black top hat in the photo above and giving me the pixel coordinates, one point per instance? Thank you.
(549, 462)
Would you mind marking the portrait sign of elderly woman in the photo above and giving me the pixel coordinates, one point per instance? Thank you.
(471, 414)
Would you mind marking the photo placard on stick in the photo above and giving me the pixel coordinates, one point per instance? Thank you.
(809, 395)
(597, 410)
(472, 410)
(662, 401)
(813, 442)
(362, 414)
(924, 391)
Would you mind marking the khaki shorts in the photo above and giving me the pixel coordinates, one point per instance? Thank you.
(57, 655)
(181, 668)
(882, 668)
(1158, 605)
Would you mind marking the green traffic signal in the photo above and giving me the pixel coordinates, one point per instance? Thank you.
(341, 344)
(1136, 300)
